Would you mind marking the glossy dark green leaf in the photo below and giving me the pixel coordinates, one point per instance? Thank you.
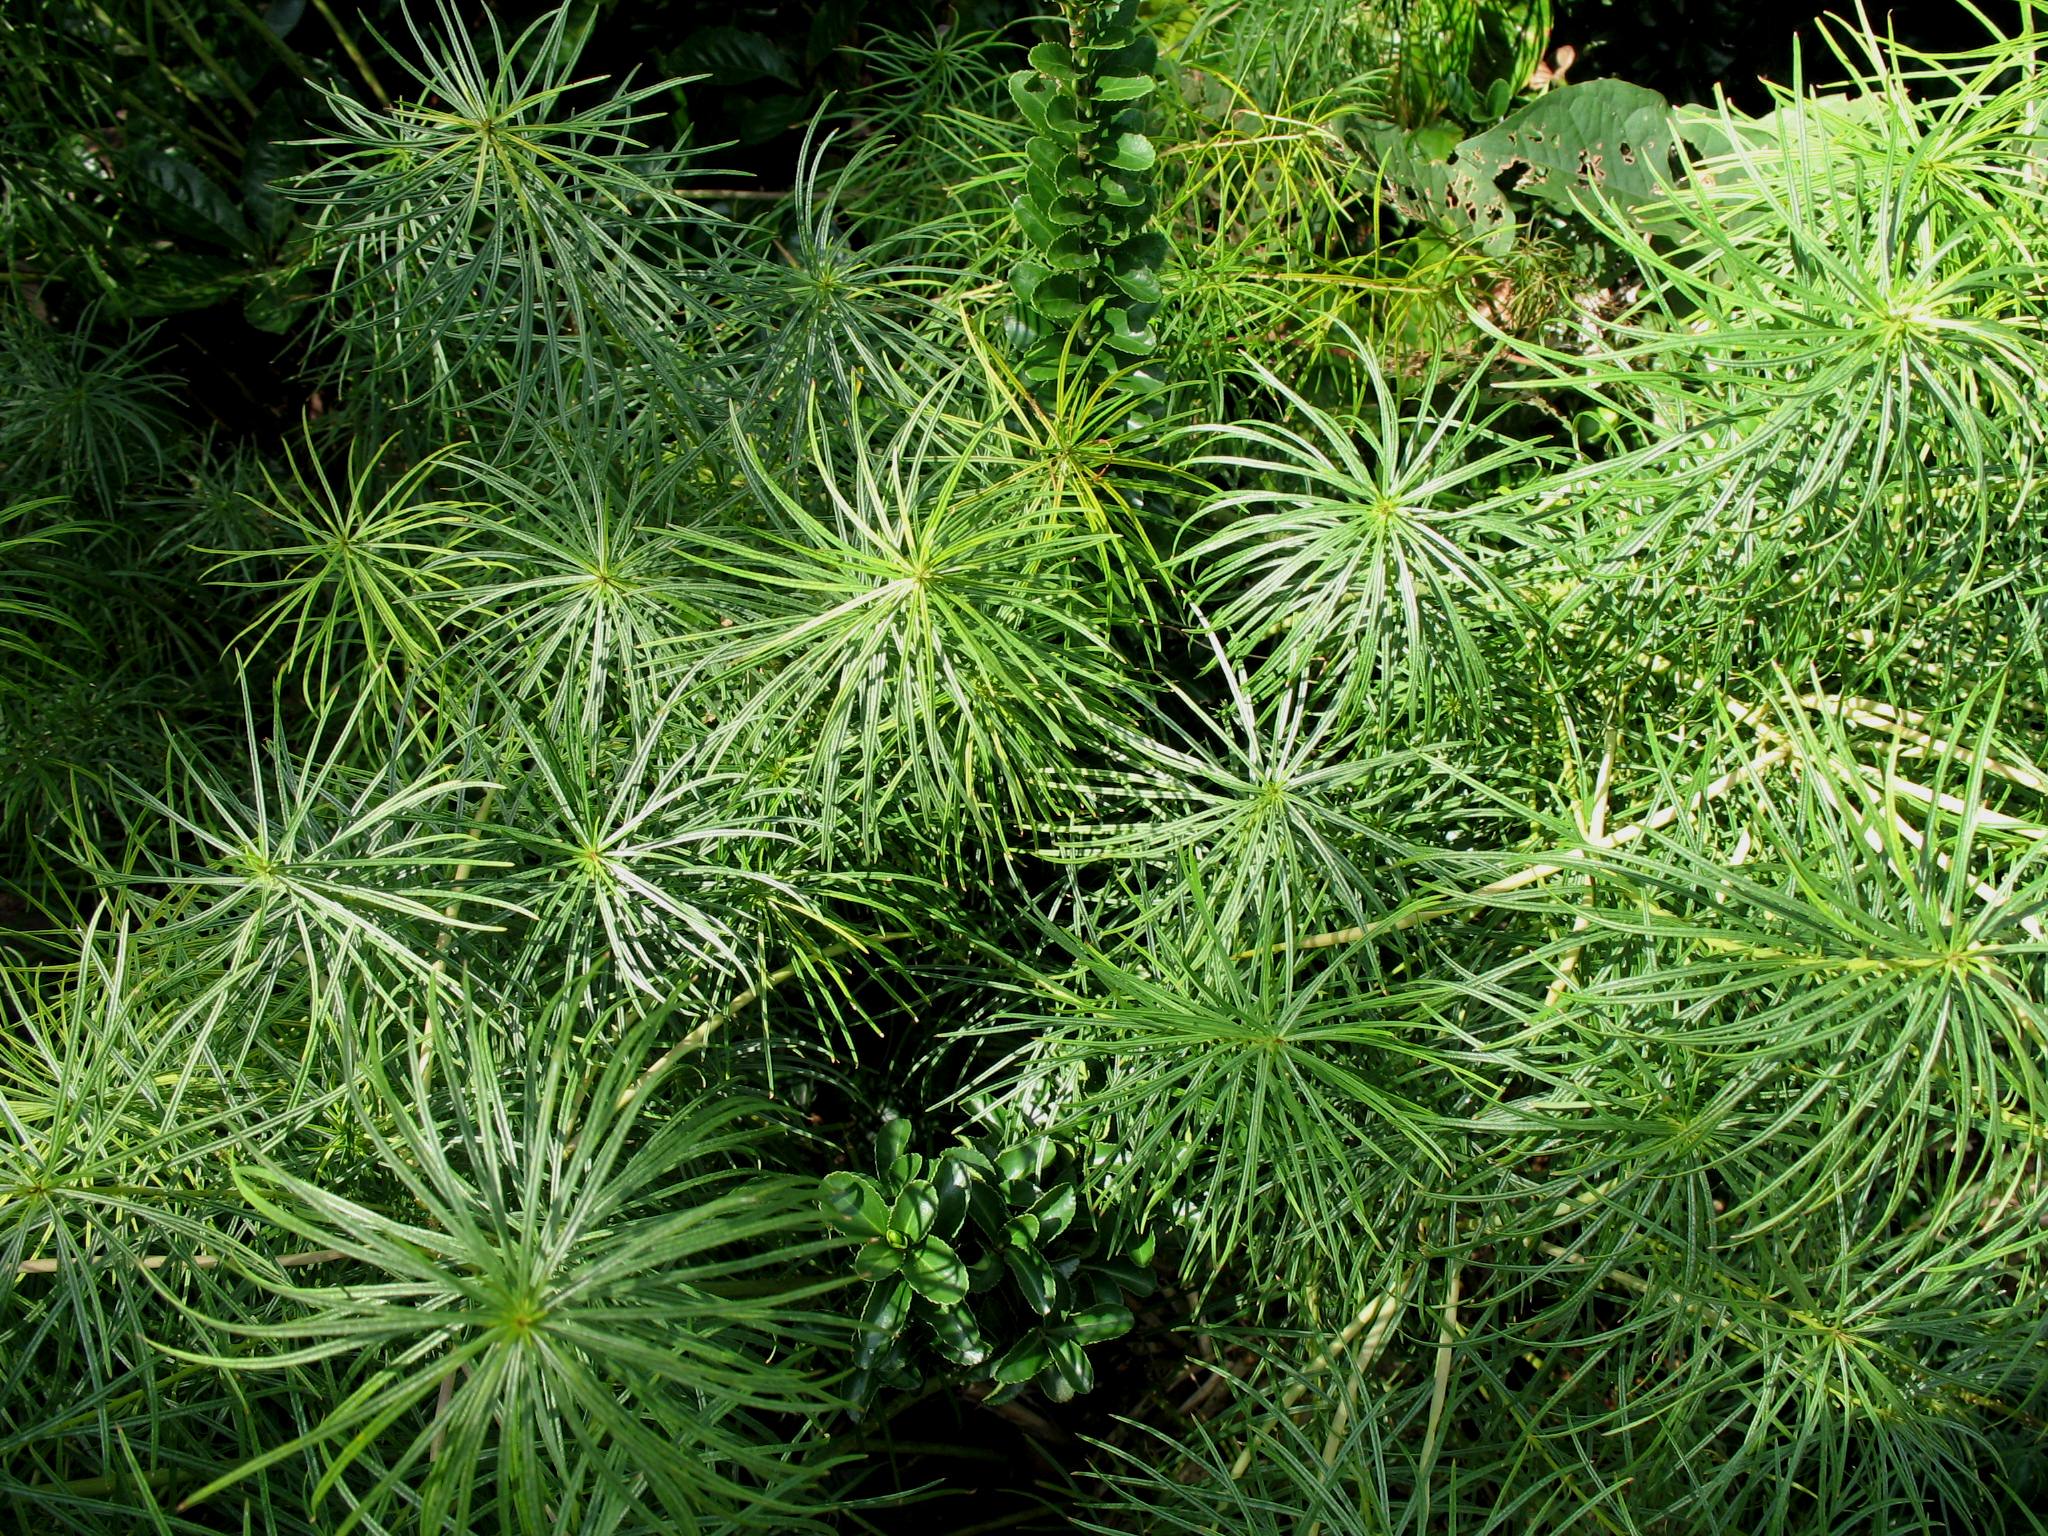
(878, 1260)
(1135, 1278)
(1133, 152)
(1040, 192)
(959, 1335)
(1063, 120)
(1138, 283)
(973, 1158)
(1124, 189)
(1123, 87)
(1067, 1374)
(916, 1208)
(1131, 339)
(1112, 33)
(1136, 53)
(1035, 1279)
(1025, 278)
(881, 1320)
(987, 1272)
(1032, 92)
(1060, 299)
(1055, 1211)
(1026, 1160)
(937, 1272)
(887, 1307)
(891, 1142)
(1023, 1360)
(1054, 60)
(951, 1176)
(1038, 229)
(1070, 251)
(853, 1204)
(1092, 1325)
(1054, 161)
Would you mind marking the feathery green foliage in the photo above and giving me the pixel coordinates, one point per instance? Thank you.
(1398, 702)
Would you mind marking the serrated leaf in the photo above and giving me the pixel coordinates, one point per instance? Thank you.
(1059, 299)
(959, 1335)
(1024, 1360)
(1133, 152)
(1123, 87)
(1067, 1373)
(877, 1261)
(1035, 1279)
(1131, 339)
(891, 1142)
(1054, 60)
(1142, 250)
(1041, 191)
(952, 1178)
(1052, 160)
(1054, 1212)
(1071, 252)
(916, 1208)
(1124, 190)
(1136, 54)
(1038, 229)
(1113, 34)
(1135, 1278)
(853, 1205)
(937, 1273)
(887, 1309)
(1139, 283)
(1025, 278)
(1032, 92)
(1026, 1160)
(1092, 1325)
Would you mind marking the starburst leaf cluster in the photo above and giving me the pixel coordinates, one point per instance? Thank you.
(1049, 798)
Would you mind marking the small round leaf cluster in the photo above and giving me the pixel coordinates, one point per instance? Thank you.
(989, 1248)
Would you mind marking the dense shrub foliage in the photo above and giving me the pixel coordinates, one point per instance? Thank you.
(1181, 768)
